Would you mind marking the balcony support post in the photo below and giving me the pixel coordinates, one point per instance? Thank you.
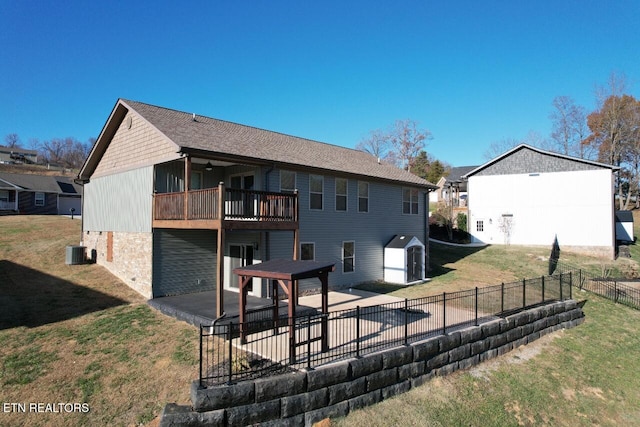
(187, 184)
(220, 254)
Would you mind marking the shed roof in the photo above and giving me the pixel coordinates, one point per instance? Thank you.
(401, 241)
(624, 216)
(218, 139)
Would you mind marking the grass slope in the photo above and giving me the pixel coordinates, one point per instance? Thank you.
(74, 334)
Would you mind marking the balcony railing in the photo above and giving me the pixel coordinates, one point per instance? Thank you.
(7, 206)
(239, 205)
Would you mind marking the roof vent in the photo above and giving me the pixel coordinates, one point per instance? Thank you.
(194, 117)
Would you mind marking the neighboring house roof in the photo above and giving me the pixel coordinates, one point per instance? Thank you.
(212, 138)
(564, 162)
(457, 173)
(18, 150)
(9, 154)
(41, 183)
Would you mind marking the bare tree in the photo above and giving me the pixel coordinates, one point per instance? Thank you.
(408, 140)
(568, 126)
(67, 152)
(399, 145)
(377, 144)
(12, 140)
(500, 147)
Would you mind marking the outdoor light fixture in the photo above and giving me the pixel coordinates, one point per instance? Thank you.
(208, 167)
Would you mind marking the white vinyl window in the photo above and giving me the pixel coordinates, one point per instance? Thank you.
(410, 201)
(348, 256)
(341, 194)
(287, 181)
(307, 251)
(39, 199)
(363, 196)
(316, 188)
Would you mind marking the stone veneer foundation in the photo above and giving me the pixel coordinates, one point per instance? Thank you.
(132, 257)
(305, 397)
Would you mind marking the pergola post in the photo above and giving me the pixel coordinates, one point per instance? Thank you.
(243, 281)
(324, 324)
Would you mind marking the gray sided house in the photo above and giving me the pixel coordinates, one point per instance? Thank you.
(39, 194)
(175, 201)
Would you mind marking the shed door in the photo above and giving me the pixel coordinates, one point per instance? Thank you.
(184, 261)
(414, 263)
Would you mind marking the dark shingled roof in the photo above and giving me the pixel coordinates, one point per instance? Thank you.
(41, 183)
(208, 136)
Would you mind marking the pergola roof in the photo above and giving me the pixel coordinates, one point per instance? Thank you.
(285, 269)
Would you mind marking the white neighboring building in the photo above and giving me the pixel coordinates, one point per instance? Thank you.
(529, 196)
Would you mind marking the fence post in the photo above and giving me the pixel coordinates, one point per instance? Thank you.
(201, 353)
(580, 278)
(309, 341)
(502, 298)
(229, 329)
(615, 289)
(570, 285)
(476, 306)
(406, 321)
(542, 277)
(444, 313)
(561, 287)
(524, 293)
(358, 331)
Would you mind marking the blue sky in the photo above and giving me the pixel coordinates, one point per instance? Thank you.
(472, 72)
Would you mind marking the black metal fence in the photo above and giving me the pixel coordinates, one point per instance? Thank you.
(272, 348)
(602, 285)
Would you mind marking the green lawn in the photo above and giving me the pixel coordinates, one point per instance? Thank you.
(583, 376)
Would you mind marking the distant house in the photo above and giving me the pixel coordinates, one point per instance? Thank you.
(16, 155)
(529, 196)
(452, 187)
(175, 201)
(39, 194)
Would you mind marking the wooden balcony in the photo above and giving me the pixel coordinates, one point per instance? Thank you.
(235, 209)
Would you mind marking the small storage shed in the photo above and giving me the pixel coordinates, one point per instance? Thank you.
(404, 260)
(624, 226)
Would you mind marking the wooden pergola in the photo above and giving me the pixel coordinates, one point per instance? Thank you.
(285, 274)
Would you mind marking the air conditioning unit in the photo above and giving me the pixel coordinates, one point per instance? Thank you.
(75, 255)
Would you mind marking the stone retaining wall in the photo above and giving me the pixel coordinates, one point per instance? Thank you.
(303, 398)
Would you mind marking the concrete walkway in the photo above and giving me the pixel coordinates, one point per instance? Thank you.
(348, 299)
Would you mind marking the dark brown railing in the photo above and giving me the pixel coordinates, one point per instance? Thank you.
(248, 205)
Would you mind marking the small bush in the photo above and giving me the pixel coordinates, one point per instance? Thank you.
(461, 221)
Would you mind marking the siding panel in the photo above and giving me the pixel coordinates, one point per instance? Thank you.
(135, 146)
(184, 261)
(121, 202)
(328, 228)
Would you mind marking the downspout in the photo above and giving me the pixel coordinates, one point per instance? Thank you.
(266, 240)
(81, 182)
(426, 233)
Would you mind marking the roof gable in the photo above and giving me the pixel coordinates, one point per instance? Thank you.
(217, 139)
(527, 159)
